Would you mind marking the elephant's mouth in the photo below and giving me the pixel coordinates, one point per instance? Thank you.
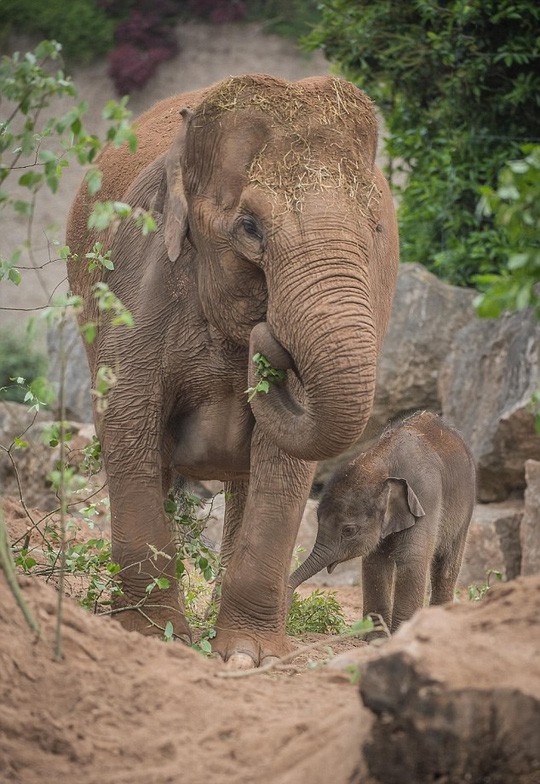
(330, 568)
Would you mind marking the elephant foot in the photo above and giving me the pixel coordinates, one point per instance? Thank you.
(244, 651)
(151, 619)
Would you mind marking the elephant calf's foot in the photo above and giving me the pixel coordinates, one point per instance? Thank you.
(151, 619)
(246, 650)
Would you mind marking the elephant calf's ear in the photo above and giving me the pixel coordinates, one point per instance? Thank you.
(402, 506)
(170, 199)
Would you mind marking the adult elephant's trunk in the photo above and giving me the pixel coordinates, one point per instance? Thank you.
(320, 324)
(319, 558)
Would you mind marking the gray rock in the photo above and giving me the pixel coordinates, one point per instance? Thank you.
(485, 386)
(455, 694)
(426, 315)
(493, 542)
(77, 384)
(29, 467)
(530, 525)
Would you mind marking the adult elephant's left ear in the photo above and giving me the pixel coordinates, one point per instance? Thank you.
(170, 199)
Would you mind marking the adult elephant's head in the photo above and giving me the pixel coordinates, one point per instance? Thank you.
(274, 185)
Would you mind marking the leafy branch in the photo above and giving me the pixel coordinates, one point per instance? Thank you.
(266, 374)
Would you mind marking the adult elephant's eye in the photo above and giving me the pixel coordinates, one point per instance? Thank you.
(251, 227)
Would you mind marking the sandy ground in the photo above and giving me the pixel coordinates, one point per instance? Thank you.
(131, 709)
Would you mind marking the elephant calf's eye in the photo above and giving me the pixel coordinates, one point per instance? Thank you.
(348, 531)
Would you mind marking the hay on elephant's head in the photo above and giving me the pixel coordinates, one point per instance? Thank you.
(323, 134)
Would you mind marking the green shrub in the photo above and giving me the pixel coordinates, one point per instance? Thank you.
(18, 359)
(83, 29)
(515, 206)
(319, 612)
(289, 18)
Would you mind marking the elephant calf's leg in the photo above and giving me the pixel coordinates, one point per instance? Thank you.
(377, 586)
(410, 590)
(445, 571)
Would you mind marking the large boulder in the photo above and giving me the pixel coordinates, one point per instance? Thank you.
(426, 316)
(67, 351)
(455, 694)
(493, 543)
(530, 525)
(486, 384)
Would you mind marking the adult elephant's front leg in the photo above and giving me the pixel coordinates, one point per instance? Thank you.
(143, 542)
(251, 622)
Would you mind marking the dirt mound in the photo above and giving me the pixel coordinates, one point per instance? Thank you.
(131, 709)
(456, 693)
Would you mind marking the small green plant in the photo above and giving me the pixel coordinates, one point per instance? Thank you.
(89, 562)
(319, 612)
(266, 374)
(477, 592)
(197, 566)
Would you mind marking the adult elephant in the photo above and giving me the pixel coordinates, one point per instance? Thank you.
(276, 234)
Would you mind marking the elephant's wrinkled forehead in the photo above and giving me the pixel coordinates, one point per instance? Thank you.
(321, 133)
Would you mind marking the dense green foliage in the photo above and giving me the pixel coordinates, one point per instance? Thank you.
(81, 26)
(515, 206)
(459, 85)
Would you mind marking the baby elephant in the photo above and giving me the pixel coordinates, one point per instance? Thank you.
(404, 506)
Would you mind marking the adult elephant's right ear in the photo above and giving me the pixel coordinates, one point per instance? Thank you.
(170, 199)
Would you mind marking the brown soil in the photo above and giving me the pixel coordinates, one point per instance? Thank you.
(131, 709)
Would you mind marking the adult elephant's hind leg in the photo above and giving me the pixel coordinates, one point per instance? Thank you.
(143, 542)
(251, 622)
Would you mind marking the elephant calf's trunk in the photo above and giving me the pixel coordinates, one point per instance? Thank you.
(317, 560)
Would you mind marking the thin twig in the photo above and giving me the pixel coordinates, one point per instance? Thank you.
(62, 492)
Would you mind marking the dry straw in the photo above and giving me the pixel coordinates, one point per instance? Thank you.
(323, 136)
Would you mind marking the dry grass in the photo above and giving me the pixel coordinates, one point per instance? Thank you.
(323, 136)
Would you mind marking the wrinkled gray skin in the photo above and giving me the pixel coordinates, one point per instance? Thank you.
(404, 506)
(276, 234)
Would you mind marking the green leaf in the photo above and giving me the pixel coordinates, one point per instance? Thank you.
(169, 632)
(14, 276)
(94, 179)
(30, 179)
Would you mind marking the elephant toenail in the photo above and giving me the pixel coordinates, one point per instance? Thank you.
(240, 661)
